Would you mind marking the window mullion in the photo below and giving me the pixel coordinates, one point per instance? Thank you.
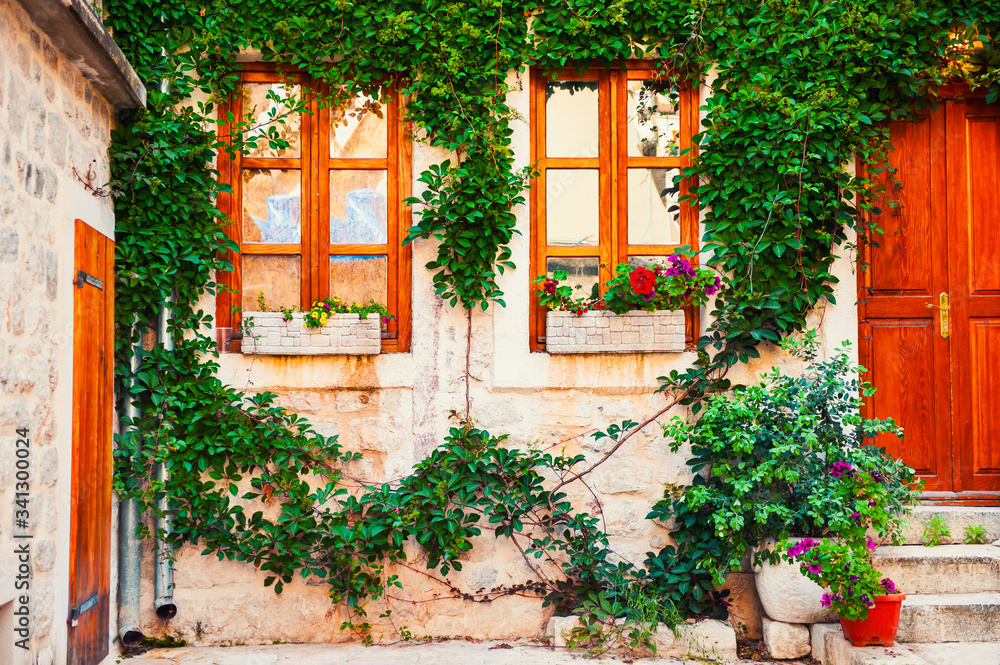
(608, 187)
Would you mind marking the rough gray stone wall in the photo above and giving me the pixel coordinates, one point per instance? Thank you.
(51, 121)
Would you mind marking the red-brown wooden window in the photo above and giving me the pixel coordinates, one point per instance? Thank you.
(608, 145)
(323, 217)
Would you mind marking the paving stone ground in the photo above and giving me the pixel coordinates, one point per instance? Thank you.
(454, 652)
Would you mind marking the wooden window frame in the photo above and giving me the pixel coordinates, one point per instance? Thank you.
(315, 165)
(613, 162)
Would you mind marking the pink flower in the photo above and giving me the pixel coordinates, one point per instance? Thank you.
(814, 569)
(872, 545)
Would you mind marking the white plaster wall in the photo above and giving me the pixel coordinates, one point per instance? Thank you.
(395, 409)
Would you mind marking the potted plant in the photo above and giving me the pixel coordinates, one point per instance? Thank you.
(867, 603)
(641, 309)
(775, 454)
(330, 327)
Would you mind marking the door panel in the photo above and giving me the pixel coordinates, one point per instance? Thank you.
(90, 511)
(944, 240)
(985, 405)
(902, 353)
(974, 206)
(901, 343)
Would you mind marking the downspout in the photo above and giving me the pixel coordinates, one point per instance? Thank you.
(128, 543)
(163, 577)
(163, 580)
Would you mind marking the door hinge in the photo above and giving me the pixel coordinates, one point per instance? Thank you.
(83, 278)
(82, 608)
(944, 308)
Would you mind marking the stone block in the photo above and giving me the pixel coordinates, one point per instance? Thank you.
(604, 332)
(817, 638)
(745, 611)
(786, 640)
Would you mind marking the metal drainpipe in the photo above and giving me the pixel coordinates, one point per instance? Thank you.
(128, 544)
(163, 580)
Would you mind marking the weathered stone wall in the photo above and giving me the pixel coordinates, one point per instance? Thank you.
(51, 121)
(395, 409)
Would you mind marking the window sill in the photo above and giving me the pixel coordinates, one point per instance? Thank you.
(604, 332)
(267, 333)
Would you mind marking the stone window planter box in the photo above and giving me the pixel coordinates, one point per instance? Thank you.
(344, 334)
(604, 332)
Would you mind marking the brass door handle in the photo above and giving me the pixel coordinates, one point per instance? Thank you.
(944, 305)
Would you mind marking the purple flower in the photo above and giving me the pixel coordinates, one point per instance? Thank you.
(714, 288)
(888, 585)
(854, 578)
(841, 468)
(877, 476)
(856, 516)
(829, 599)
(679, 266)
(872, 545)
(814, 569)
(801, 547)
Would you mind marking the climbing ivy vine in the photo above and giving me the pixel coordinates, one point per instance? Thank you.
(800, 93)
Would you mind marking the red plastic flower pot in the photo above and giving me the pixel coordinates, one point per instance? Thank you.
(879, 629)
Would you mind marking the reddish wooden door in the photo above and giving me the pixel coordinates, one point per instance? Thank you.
(930, 300)
(90, 517)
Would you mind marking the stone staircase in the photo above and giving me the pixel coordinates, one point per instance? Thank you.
(951, 615)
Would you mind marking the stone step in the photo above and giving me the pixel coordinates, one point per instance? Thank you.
(958, 653)
(943, 569)
(957, 518)
(952, 617)
(838, 651)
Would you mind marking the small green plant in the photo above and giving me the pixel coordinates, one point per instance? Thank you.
(320, 312)
(936, 530)
(672, 286)
(261, 302)
(975, 534)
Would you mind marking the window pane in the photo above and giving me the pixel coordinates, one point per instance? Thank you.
(266, 108)
(654, 122)
(358, 207)
(571, 119)
(279, 278)
(358, 128)
(647, 261)
(572, 207)
(359, 278)
(583, 273)
(654, 216)
(272, 206)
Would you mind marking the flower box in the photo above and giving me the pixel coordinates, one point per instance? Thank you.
(605, 332)
(344, 334)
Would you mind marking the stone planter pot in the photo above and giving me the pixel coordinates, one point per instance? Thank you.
(787, 595)
(605, 332)
(344, 334)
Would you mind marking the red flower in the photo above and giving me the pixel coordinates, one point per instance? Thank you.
(550, 285)
(643, 280)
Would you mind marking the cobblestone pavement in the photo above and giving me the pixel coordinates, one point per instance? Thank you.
(454, 652)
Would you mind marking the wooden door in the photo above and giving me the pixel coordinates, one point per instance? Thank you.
(930, 300)
(90, 516)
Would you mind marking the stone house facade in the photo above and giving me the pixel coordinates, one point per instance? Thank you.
(61, 82)
(394, 408)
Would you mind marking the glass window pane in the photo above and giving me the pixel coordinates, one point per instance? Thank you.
(359, 278)
(583, 273)
(358, 128)
(572, 207)
(358, 212)
(272, 206)
(647, 261)
(278, 278)
(571, 127)
(266, 108)
(654, 216)
(654, 122)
